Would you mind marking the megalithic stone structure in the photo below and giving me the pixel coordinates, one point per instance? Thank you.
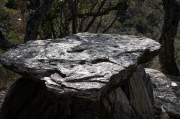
(82, 76)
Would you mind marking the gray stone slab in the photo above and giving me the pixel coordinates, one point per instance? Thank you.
(84, 64)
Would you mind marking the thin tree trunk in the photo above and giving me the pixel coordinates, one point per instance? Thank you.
(99, 24)
(35, 20)
(73, 4)
(53, 32)
(94, 18)
(171, 19)
(110, 25)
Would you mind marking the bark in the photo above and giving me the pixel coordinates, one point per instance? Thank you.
(94, 18)
(171, 19)
(35, 20)
(74, 12)
(53, 31)
(120, 5)
(110, 25)
(31, 27)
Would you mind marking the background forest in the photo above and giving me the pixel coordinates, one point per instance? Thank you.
(139, 17)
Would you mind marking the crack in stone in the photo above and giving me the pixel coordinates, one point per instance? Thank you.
(85, 79)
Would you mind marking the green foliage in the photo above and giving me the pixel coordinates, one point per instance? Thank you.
(66, 17)
(8, 20)
(4, 16)
(11, 4)
(130, 2)
(144, 17)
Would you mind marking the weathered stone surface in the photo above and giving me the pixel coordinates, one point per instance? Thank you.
(29, 99)
(131, 101)
(141, 96)
(81, 64)
(82, 76)
(166, 92)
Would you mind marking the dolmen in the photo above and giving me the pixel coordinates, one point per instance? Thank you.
(81, 76)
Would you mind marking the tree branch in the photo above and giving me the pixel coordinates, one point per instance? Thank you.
(36, 19)
(105, 12)
(110, 24)
(94, 17)
(99, 24)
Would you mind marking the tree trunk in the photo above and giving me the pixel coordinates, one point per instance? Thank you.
(169, 30)
(35, 20)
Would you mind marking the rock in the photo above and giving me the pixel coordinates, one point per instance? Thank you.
(28, 99)
(85, 73)
(2, 95)
(141, 97)
(79, 62)
(166, 92)
(133, 102)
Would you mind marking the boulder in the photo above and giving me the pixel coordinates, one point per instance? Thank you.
(166, 90)
(82, 76)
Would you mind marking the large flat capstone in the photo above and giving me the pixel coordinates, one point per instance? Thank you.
(83, 64)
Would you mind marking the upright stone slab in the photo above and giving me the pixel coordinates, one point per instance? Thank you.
(81, 76)
(166, 90)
